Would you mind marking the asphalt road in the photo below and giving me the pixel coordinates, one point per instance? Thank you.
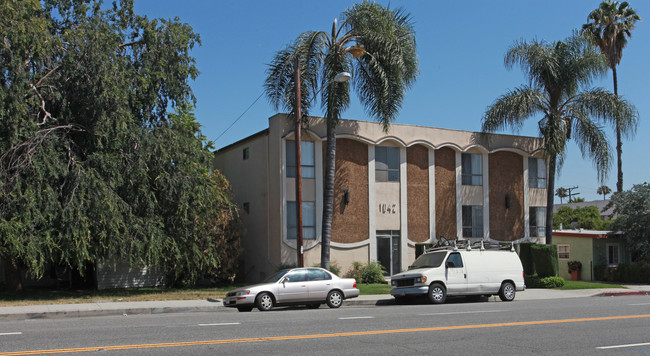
(580, 326)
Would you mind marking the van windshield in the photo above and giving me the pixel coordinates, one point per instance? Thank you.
(429, 260)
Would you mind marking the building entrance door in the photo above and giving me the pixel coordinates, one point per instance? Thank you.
(389, 251)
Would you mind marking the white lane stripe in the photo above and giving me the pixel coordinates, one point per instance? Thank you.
(639, 304)
(219, 324)
(357, 317)
(622, 346)
(467, 312)
(14, 333)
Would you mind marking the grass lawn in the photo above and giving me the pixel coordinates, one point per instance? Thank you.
(568, 285)
(368, 289)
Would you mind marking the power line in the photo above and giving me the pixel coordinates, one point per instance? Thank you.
(237, 119)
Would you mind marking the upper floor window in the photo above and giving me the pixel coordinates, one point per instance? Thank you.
(537, 221)
(386, 164)
(536, 173)
(472, 221)
(307, 157)
(472, 166)
(246, 153)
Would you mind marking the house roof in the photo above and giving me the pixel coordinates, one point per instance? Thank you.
(600, 204)
(593, 234)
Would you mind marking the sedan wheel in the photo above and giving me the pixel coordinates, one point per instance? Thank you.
(437, 293)
(264, 302)
(507, 292)
(334, 299)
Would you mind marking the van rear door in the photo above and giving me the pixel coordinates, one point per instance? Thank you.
(456, 274)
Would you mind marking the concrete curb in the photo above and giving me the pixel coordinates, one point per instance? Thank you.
(622, 294)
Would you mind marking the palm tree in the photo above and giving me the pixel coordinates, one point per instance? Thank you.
(611, 24)
(557, 73)
(376, 45)
(561, 193)
(603, 190)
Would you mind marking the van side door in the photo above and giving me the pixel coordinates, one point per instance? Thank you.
(456, 274)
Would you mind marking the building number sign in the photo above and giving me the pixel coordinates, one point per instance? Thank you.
(388, 208)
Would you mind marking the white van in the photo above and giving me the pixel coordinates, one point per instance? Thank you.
(451, 271)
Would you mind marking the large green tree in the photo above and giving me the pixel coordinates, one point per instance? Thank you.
(92, 164)
(609, 26)
(558, 73)
(632, 211)
(376, 45)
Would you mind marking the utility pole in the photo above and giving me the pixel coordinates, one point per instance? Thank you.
(570, 194)
(300, 260)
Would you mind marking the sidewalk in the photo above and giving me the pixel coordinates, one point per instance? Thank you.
(55, 311)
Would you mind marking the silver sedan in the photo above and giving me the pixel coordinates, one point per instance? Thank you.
(309, 286)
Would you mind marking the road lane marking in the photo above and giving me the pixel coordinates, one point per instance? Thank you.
(622, 346)
(219, 324)
(639, 304)
(13, 333)
(317, 336)
(466, 312)
(357, 317)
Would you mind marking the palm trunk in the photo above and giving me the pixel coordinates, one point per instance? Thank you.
(328, 194)
(619, 142)
(549, 199)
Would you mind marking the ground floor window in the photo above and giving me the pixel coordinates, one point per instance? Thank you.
(612, 255)
(563, 252)
(308, 220)
(472, 221)
(389, 251)
(537, 221)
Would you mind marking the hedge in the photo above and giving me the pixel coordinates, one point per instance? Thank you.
(623, 273)
(545, 260)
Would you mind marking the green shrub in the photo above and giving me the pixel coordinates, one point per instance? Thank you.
(545, 260)
(371, 272)
(526, 257)
(421, 247)
(623, 273)
(534, 281)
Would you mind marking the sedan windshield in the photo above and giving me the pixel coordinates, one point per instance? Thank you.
(429, 260)
(276, 277)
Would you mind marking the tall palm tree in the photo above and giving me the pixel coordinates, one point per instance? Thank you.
(557, 73)
(375, 44)
(561, 193)
(609, 27)
(603, 190)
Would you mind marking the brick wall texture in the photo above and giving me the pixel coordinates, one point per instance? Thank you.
(350, 223)
(417, 177)
(506, 196)
(445, 160)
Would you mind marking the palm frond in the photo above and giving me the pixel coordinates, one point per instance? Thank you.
(513, 108)
(607, 107)
(592, 142)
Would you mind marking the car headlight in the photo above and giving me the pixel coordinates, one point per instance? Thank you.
(421, 279)
(393, 283)
(244, 292)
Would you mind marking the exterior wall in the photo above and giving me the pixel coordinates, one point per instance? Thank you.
(417, 158)
(506, 196)
(351, 174)
(118, 274)
(580, 249)
(445, 192)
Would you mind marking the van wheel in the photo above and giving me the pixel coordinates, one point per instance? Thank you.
(507, 292)
(437, 293)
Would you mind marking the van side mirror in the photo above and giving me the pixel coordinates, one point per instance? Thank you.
(451, 264)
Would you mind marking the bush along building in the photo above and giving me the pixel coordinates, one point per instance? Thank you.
(392, 190)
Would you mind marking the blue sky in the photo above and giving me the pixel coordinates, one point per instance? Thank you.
(461, 45)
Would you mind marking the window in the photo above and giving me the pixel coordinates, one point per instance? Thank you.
(308, 220)
(247, 208)
(455, 259)
(306, 156)
(563, 252)
(297, 276)
(318, 275)
(612, 255)
(472, 221)
(246, 153)
(536, 173)
(472, 169)
(537, 221)
(386, 164)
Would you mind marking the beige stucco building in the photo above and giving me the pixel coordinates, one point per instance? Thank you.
(410, 185)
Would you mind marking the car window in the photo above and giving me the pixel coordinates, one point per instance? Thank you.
(455, 259)
(297, 276)
(318, 275)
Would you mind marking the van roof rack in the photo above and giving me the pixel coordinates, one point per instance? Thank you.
(455, 244)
